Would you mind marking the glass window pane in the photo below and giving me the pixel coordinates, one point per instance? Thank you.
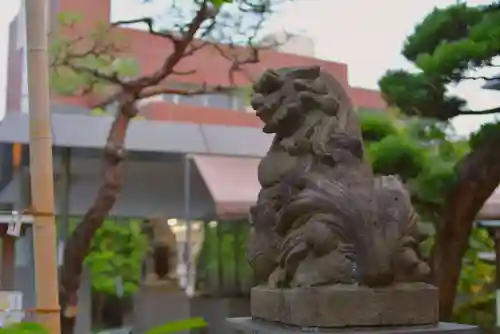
(169, 98)
(240, 103)
(196, 100)
(220, 101)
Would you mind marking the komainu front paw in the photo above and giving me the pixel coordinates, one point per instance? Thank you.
(277, 279)
(332, 268)
(409, 267)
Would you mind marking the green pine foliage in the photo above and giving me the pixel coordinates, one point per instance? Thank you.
(419, 151)
(447, 47)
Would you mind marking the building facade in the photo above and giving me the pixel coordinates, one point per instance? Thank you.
(208, 143)
(191, 158)
(172, 125)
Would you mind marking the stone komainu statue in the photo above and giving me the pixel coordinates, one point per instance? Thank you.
(321, 216)
(160, 264)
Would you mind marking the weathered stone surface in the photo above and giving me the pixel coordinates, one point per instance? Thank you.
(251, 326)
(347, 305)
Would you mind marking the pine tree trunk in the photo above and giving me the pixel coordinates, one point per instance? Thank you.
(77, 246)
(478, 174)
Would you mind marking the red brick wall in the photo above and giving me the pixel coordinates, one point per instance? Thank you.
(93, 11)
(210, 67)
(367, 98)
(192, 114)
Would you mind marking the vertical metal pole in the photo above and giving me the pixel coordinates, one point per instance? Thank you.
(187, 208)
(496, 237)
(8, 262)
(29, 297)
(41, 169)
(221, 290)
(66, 185)
(236, 250)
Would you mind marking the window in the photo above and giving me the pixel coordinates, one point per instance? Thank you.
(239, 103)
(196, 100)
(24, 83)
(148, 100)
(172, 98)
(220, 101)
(214, 100)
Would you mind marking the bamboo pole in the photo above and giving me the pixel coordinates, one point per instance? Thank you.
(41, 169)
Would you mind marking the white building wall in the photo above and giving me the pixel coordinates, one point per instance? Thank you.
(21, 43)
(293, 44)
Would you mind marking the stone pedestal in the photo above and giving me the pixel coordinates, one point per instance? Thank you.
(399, 309)
(251, 326)
(159, 304)
(340, 306)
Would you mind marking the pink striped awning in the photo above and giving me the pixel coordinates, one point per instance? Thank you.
(232, 182)
(491, 208)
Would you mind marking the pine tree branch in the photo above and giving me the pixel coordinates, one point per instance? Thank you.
(478, 78)
(480, 112)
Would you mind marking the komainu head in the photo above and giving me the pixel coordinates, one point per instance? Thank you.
(283, 96)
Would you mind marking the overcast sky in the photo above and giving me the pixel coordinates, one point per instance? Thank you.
(365, 34)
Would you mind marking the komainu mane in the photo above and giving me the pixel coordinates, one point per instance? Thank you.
(321, 216)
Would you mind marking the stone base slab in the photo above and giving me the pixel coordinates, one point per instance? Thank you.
(251, 326)
(339, 306)
(156, 306)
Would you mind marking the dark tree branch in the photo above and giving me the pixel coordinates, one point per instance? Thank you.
(189, 72)
(477, 176)
(477, 78)
(149, 22)
(127, 93)
(180, 47)
(111, 77)
(480, 112)
(78, 245)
